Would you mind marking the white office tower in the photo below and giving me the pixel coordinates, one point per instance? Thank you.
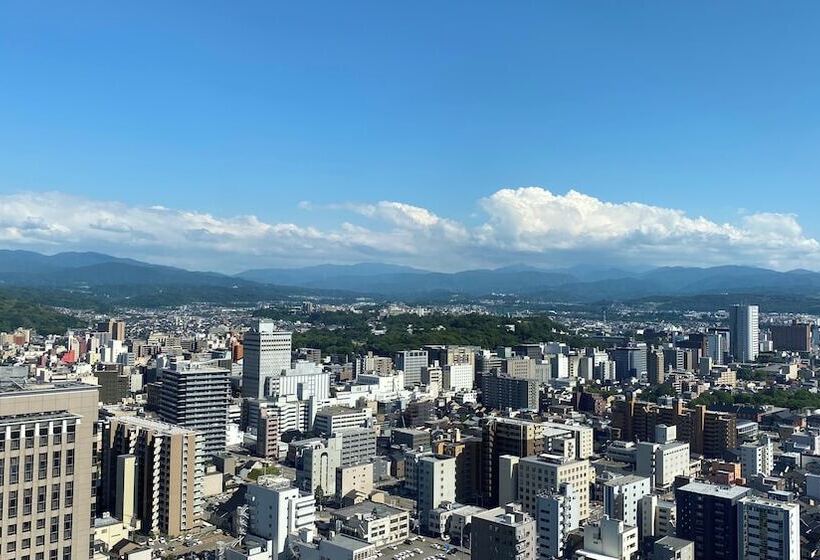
(556, 516)
(277, 511)
(266, 353)
(560, 366)
(411, 362)
(622, 496)
(659, 518)
(436, 479)
(459, 377)
(609, 539)
(744, 329)
(769, 529)
(303, 381)
(662, 462)
(716, 346)
(756, 458)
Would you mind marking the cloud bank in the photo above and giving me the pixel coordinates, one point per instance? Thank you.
(529, 224)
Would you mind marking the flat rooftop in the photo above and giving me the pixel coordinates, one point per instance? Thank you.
(717, 490)
(368, 508)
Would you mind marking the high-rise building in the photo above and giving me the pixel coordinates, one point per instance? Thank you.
(436, 481)
(162, 482)
(655, 367)
(411, 362)
(744, 328)
(629, 361)
(195, 395)
(506, 436)
(47, 455)
(769, 529)
(317, 466)
(531, 475)
(556, 516)
(756, 457)
(276, 511)
(794, 337)
(114, 328)
(267, 352)
(622, 496)
(707, 515)
(504, 532)
(502, 391)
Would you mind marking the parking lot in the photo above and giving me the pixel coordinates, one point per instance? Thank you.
(427, 549)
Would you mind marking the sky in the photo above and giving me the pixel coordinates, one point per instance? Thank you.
(443, 135)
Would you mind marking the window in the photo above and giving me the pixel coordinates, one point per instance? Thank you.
(69, 461)
(13, 504)
(42, 466)
(70, 431)
(27, 501)
(55, 464)
(55, 530)
(55, 497)
(67, 522)
(69, 494)
(41, 499)
(14, 470)
(28, 469)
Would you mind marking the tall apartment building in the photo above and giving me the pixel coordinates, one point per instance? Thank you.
(504, 532)
(655, 370)
(467, 453)
(556, 516)
(436, 480)
(622, 496)
(710, 433)
(506, 436)
(162, 481)
(769, 529)
(531, 475)
(502, 391)
(47, 470)
(267, 352)
(707, 515)
(794, 337)
(276, 511)
(358, 445)
(195, 395)
(744, 331)
(411, 362)
(756, 457)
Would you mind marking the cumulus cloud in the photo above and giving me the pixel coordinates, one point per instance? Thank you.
(511, 225)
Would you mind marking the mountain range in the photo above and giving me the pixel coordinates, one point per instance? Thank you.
(79, 270)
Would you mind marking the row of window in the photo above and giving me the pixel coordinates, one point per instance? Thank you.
(28, 437)
(27, 503)
(42, 466)
(53, 554)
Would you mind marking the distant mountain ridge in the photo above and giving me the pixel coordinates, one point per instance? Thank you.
(579, 283)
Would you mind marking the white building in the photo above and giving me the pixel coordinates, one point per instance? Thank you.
(609, 539)
(436, 480)
(459, 377)
(756, 458)
(662, 462)
(266, 353)
(531, 475)
(659, 518)
(317, 466)
(744, 332)
(276, 511)
(769, 529)
(622, 496)
(304, 380)
(556, 516)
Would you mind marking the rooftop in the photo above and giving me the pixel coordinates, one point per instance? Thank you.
(30, 417)
(716, 490)
(150, 424)
(368, 508)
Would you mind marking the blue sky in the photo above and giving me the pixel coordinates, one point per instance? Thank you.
(231, 109)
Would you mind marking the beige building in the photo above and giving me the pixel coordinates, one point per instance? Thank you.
(376, 523)
(47, 458)
(152, 472)
(354, 478)
(531, 475)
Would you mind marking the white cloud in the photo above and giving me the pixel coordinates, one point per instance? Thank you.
(531, 224)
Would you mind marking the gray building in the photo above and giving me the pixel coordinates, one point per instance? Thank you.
(411, 362)
(266, 352)
(195, 395)
(358, 445)
(504, 532)
(503, 391)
